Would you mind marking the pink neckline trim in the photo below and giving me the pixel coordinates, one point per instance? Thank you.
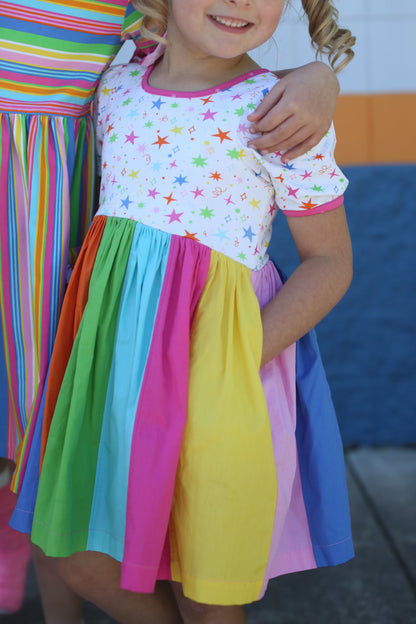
(190, 94)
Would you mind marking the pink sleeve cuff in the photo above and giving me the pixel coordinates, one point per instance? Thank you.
(334, 203)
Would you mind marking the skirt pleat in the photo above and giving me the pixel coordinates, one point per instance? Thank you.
(226, 485)
(69, 465)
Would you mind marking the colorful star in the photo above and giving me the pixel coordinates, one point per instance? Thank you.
(174, 216)
(125, 202)
(130, 138)
(234, 154)
(222, 135)
(152, 193)
(191, 236)
(199, 161)
(248, 233)
(180, 180)
(308, 205)
(161, 141)
(292, 192)
(254, 202)
(169, 199)
(207, 100)
(272, 209)
(207, 213)
(197, 192)
(208, 114)
(221, 234)
(157, 103)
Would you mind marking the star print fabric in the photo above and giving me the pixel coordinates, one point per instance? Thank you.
(163, 445)
(179, 162)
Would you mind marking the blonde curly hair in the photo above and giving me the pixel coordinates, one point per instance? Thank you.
(155, 18)
(325, 34)
(327, 38)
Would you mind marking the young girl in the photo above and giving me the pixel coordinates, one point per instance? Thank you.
(168, 450)
(52, 57)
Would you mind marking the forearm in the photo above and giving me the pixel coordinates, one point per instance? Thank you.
(305, 299)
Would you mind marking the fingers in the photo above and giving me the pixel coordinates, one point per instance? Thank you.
(266, 105)
(292, 146)
(281, 137)
(296, 113)
(302, 147)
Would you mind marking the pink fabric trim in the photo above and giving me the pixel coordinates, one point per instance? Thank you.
(191, 94)
(334, 203)
(151, 57)
(160, 419)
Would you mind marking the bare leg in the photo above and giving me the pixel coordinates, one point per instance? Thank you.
(196, 613)
(60, 604)
(96, 577)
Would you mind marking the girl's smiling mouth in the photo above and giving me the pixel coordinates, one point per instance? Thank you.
(230, 24)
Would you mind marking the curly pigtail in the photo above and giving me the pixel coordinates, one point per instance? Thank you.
(155, 18)
(326, 36)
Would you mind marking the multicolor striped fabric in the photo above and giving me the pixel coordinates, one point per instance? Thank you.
(52, 56)
(166, 448)
(53, 53)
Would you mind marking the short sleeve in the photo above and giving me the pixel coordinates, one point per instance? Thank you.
(131, 23)
(309, 184)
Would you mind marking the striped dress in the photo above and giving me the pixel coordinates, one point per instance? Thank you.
(52, 56)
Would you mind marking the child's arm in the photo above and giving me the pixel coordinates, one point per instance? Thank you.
(297, 112)
(316, 286)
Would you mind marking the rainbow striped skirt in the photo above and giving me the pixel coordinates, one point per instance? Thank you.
(160, 442)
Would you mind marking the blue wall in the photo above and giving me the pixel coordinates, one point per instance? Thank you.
(368, 342)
